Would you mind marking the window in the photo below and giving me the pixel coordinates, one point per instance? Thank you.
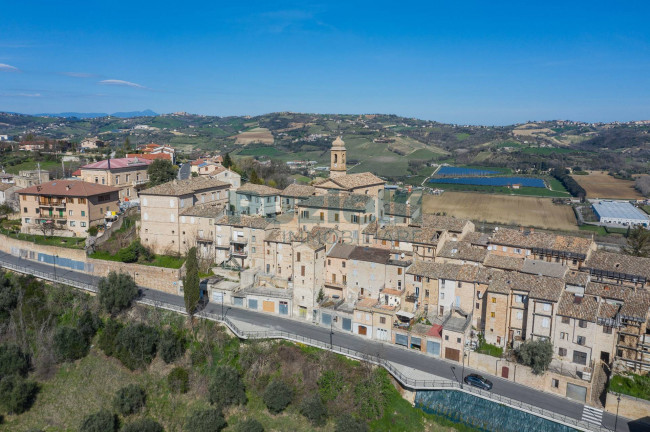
(304, 214)
(83, 224)
(28, 220)
(343, 264)
(81, 200)
(336, 217)
(322, 216)
(297, 256)
(518, 251)
(73, 223)
(83, 213)
(519, 299)
(382, 320)
(254, 249)
(563, 335)
(417, 278)
(493, 315)
(581, 340)
(580, 357)
(69, 212)
(520, 315)
(302, 270)
(555, 383)
(24, 209)
(478, 305)
(345, 279)
(446, 337)
(355, 219)
(329, 261)
(117, 179)
(546, 322)
(566, 320)
(505, 249)
(582, 324)
(494, 299)
(442, 296)
(607, 330)
(426, 292)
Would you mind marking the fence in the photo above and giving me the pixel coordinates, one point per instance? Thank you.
(404, 380)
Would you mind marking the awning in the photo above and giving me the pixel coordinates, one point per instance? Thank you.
(405, 314)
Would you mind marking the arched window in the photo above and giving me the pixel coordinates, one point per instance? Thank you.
(336, 158)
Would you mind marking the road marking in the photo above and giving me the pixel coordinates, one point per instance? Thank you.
(592, 415)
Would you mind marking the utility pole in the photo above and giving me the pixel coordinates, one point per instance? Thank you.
(331, 331)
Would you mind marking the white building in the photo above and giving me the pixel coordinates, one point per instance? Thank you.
(620, 213)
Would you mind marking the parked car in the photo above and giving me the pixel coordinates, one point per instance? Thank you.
(477, 380)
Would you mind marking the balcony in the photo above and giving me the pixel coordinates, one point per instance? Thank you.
(204, 239)
(239, 240)
(411, 297)
(336, 284)
(239, 252)
(52, 204)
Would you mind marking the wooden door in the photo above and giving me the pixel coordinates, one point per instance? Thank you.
(452, 354)
(505, 371)
(363, 330)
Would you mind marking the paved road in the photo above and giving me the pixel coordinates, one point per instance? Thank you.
(413, 359)
(184, 171)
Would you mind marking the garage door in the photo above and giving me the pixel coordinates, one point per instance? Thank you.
(433, 348)
(252, 303)
(576, 392)
(382, 334)
(363, 330)
(268, 306)
(452, 354)
(347, 324)
(401, 339)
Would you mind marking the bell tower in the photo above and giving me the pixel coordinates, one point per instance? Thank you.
(338, 160)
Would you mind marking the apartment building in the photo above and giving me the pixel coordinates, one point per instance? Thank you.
(348, 214)
(73, 206)
(127, 174)
(457, 228)
(254, 199)
(228, 176)
(417, 242)
(293, 194)
(239, 241)
(400, 213)
(620, 269)
(167, 213)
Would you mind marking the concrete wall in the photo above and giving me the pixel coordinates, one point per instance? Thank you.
(630, 407)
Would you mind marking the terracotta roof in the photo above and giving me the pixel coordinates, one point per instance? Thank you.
(462, 250)
(409, 234)
(149, 156)
(546, 288)
(435, 331)
(334, 201)
(366, 303)
(392, 292)
(578, 307)
(636, 306)
(608, 310)
(296, 190)
(457, 272)
(618, 263)
(209, 210)
(577, 278)
(259, 190)
(399, 209)
(503, 262)
(529, 239)
(371, 228)
(5, 186)
(135, 162)
(370, 254)
(341, 250)
(73, 188)
(275, 235)
(544, 268)
(477, 238)
(448, 223)
(354, 181)
(608, 291)
(256, 222)
(185, 187)
(76, 173)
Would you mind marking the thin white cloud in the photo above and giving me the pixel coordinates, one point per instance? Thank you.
(8, 68)
(78, 74)
(122, 83)
(27, 95)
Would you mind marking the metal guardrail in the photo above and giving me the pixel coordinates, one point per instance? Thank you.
(406, 381)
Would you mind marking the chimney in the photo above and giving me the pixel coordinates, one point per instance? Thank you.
(68, 187)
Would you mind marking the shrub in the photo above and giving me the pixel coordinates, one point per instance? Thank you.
(16, 394)
(108, 337)
(8, 296)
(347, 423)
(209, 420)
(277, 396)
(330, 384)
(13, 361)
(250, 425)
(226, 388)
(537, 354)
(135, 345)
(135, 252)
(88, 324)
(178, 380)
(116, 292)
(102, 421)
(314, 409)
(129, 399)
(69, 344)
(92, 231)
(370, 395)
(143, 425)
(171, 346)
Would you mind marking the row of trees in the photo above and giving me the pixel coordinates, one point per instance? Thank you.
(569, 183)
(642, 184)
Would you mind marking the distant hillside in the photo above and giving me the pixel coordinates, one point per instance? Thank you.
(391, 146)
(145, 113)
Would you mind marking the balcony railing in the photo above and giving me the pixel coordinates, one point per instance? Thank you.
(411, 297)
(57, 203)
(336, 284)
(239, 252)
(239, 240)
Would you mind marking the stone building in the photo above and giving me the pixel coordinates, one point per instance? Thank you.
(127, 174)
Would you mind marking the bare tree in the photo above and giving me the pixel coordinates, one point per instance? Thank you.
(47, 227)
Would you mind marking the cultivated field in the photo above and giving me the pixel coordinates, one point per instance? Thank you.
(601, 185)
(255, 135)
(504, 209)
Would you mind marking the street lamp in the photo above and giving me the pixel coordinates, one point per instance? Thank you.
(618, 403)
(331, 331)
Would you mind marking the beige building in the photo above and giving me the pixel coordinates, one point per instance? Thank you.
(239, 241)
(127, 174)
(166, 212)
(27, 178)
(73, 206)
(293, 194)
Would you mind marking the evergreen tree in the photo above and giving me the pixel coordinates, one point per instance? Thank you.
(127, 145)
(227, 161)
(161, 171)
(638, 242)
(191, 289)
(255, 179)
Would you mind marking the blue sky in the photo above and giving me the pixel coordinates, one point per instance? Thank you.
(467, 62)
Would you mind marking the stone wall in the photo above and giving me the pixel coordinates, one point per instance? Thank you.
(630, 407)
(158, 278)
